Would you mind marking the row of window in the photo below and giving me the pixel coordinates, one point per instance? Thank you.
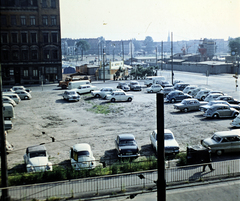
(24, 20)
(28, 3)
(24, 38)
(26, 55)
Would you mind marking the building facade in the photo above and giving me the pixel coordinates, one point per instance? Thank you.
(30, 41)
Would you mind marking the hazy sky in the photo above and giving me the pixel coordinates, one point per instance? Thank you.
(127, 19)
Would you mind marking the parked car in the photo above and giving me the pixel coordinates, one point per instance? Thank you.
(119, 96)
(126, 146)
(135, 86)
(103, 92)
(13, 96)
(201, 95)
(194, 92)
(171, 146)
(176, 96)
(177, 81)
(167, 90)
(203, 108)
(154, 88)
(229, 99)
(189, 88)
(165, 84)
(220, 111)
(21, 88)
(223, 142)
(8, 124)
(8, 90)
(8, 111)
(36, 159)
(24, 95)
(124, 86)
(81, 157)
(71, 95)
(85, 89)
(190, 104)
(180, 86)
(236, 122)
(6, 99)
(212, 97)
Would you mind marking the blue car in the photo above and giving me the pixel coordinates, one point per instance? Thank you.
(176, 96)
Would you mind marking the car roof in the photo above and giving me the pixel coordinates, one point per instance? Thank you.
(82, 147)
(165, 131)
(36, 148)
(126, 136)
(227, 133)
(219, 105)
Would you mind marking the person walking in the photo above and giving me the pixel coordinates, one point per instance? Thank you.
(208, 161)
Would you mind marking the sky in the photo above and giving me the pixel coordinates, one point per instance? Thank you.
(136, 19)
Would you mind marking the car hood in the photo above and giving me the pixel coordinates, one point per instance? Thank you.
(209, 141)
(170, 143)
(38, 161)
(85, 159)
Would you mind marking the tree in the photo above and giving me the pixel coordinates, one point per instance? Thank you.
(118, 73)
(149, 45)
(83, 46)
(234, 45)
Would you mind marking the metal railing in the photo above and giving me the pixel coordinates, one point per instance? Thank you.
(123, 182)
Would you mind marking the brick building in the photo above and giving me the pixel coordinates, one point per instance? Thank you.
(30, 41)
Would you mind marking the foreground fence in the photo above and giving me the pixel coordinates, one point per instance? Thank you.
(123, 182)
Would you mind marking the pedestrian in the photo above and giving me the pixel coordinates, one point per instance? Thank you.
(208, 161)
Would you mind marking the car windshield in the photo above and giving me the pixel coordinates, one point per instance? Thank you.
(127, 142)
(83, 153)
(216, 138)
(168, 136)
(184, 102)
(71, 92)
(38, 154)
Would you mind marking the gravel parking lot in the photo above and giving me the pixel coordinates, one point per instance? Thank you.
(47, 116)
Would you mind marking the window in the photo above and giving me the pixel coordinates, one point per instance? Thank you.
(15, 55)
(55, 54)
(3, 20)
(24, 37)
(34, 38)
(34, 54)
(45, 20)
(53, 3)
(13, 20)
(35, 72)
(4, 38)
(54, 20)
(52, 70)
(11, 72)
(45, 37)
(25, 55)
(23, 20)
(54, 37)
(5, 55)
(14, 38)
(44, 3)
(32, 20)
(33, 2)
(46, 54)
(25, 73)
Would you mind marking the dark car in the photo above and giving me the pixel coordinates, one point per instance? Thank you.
(126, 146)
(197, 154)
(229, 99)
(176, 96)
(123, 86)
(135, 86)
(190, 104)
(180, 86)
(220, 111)
(165, 84)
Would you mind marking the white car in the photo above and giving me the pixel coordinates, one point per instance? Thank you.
(36, 159)
(189, 88)
(236, 122)
(17, 88)
(6, 99)
(119, 96)
(71, 95)
(81, 157)
(85, 89)
(103, 92)
(170, 144)
(212, 97)
(24, 95)
(154, 88)
(201, 95)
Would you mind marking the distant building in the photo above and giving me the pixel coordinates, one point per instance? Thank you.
(30, 41)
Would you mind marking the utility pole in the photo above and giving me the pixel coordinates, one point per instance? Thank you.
(156, 61)
(122, 50)
(131, 52)
(162, 57)
(172, 55)
(4, 172)
(103, 66)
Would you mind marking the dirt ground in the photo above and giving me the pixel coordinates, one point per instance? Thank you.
(48, 116)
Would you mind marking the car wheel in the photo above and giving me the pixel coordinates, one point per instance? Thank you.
(97, 95)
(219, 152)
(129, 99)
(236, 114)
(173, 100)
(215, 116)
(113, 100)
(203, 98)
(185, 110)
(151, 91)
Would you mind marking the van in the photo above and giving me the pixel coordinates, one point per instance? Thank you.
(13, 96)
(76, 84)
(8, 111)
(152, 80)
